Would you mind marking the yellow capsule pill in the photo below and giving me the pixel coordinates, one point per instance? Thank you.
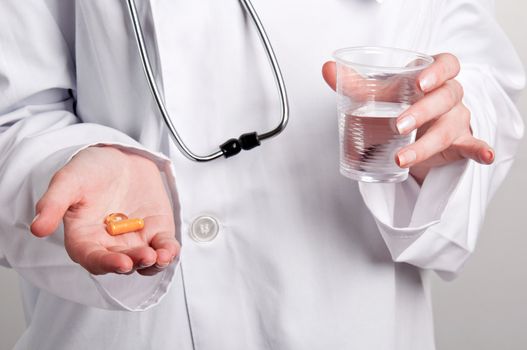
(120, 227)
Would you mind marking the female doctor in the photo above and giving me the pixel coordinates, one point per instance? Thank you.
(272, 249)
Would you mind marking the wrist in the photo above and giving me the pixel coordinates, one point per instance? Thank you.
(131, 159)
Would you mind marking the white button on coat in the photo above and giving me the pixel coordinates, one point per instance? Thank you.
(204, 229)
(309, 259)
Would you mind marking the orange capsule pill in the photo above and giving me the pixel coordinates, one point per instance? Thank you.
(122, 226)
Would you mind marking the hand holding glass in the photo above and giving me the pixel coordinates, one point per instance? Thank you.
(374, 86)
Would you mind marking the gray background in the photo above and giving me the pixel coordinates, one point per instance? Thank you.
(486, 307)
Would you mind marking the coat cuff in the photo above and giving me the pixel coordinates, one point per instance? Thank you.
(134, 292)
(404, 211)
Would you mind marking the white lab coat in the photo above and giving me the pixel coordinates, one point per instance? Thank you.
(305, 258)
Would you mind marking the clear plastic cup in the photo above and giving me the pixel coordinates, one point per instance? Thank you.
(374, 86)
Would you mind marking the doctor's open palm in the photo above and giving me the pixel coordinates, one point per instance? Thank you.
(103, 180)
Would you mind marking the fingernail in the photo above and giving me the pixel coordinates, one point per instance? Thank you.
(406, 124)
(162, 266)
(122, 271)
(427, 83)
(35, 218)
(407, 158)
(489, 155)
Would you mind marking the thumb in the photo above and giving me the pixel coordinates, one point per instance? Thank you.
(51, 208)
(329, 72)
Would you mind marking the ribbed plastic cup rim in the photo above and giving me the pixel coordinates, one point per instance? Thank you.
(428, 60)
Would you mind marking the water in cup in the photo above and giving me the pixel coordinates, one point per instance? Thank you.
(370, 141)
(374, 86)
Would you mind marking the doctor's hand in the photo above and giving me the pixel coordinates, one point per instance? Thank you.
(103, 180)
(440, 117)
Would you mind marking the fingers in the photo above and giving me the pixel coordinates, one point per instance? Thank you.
(98, 260)
(433, 105)
(162, 250)
(329, 72)
(61, 194)
(445, 67)
(163, 242)
(475, 149)
(161, 228)
(447, 140)
(141, 256)
(167, 248)
(444, 98)
(468, 148)
(438, 138)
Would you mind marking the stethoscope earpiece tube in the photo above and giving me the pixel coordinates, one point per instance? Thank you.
(233, 146)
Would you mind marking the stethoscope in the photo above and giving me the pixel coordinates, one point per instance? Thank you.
(232, 146)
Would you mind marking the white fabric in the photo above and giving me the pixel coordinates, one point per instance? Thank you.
(305, 259)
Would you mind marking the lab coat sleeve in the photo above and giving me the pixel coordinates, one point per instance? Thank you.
(39, 133)
(436, 226)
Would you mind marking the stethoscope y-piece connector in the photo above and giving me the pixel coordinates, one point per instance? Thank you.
(234, 146)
